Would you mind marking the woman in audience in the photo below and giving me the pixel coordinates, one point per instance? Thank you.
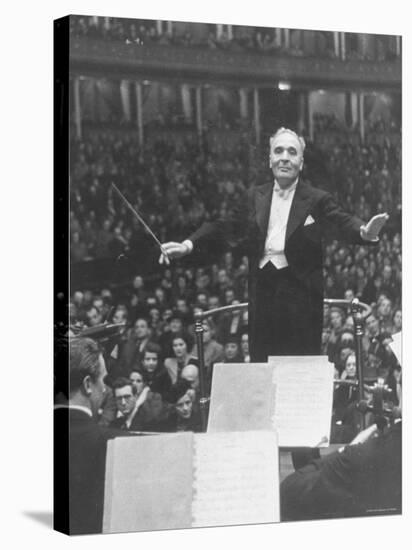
(182, 357)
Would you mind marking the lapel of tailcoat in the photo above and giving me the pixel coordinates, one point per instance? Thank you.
(299, 209)
(263, 204)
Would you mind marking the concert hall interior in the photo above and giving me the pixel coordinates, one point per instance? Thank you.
(178, 117)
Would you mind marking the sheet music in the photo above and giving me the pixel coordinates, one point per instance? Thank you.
(304, 395)
(396, 346)
(148, 483)
(242, 397)
(236, 479)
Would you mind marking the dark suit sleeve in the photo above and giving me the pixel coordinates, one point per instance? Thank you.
(345, 226)
(363, 479)
(319, 490)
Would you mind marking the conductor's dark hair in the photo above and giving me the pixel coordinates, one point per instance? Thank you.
(84, 354)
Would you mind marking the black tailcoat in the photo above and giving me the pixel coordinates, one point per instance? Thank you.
(285, 307)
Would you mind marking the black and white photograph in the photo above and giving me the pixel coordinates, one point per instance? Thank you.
(235, 236)
(226, 277)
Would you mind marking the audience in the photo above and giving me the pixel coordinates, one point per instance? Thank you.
(264, 40)
(177, 183)
(138, 408)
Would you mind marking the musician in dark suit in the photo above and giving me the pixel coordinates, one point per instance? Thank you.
(80, 443)
(363, 478)
(281, 224)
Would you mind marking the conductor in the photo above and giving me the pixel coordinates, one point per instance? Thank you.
(282, 224)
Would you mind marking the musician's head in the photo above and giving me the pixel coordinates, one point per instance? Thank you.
(87, 371)
(125, 395)
(286, 150)
(94, 317)
(190, 373)
(120, 315)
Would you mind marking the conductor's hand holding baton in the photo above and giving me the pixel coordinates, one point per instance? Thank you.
(173, 250)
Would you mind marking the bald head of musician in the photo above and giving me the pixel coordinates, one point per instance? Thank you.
(191, 374)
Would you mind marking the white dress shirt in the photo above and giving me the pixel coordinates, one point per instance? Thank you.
(274, 250)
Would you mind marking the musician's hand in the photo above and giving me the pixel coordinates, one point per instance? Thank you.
(371, 230)
(173, 251)
(364, 435)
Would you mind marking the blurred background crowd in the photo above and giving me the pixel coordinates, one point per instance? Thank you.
(177, 181)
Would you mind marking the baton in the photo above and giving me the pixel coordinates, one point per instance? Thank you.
(141, 220)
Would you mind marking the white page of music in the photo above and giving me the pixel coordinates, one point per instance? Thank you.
(235, 478)
(303, 400)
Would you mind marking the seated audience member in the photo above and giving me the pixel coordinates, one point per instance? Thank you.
(133, 349)
(182, 416)
(363, 478)
(394, 382)
(76, 430)
(244, 347)
(174, 365)
(212, 350)
(93, 316)
(232, 323)
(343, 428)
(138, 408)
(385, 312)
(373, 338)
(231, 352)
(173, 327)
(191, 374)
(157, 377)
(397, 321)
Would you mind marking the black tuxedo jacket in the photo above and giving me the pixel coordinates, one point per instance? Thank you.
(248, 224)
(364, 479)
(79, 472)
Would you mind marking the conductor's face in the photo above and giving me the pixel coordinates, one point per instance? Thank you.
(285, 158)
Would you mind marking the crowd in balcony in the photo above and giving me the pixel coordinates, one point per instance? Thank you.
(232, 38)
